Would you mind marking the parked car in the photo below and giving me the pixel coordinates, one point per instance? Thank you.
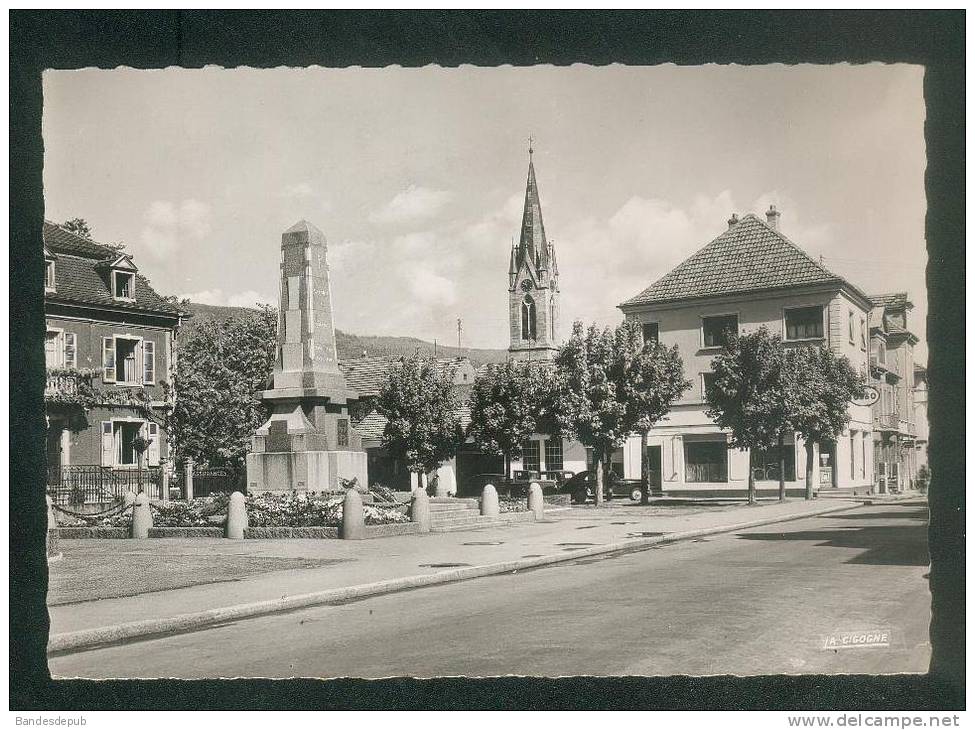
(517, 486)
(582, 487)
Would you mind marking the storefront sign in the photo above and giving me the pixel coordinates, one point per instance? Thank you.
(870, 396)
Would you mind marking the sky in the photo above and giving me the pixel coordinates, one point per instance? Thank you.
(417, 178)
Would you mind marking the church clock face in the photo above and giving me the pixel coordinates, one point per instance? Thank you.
(526, 285)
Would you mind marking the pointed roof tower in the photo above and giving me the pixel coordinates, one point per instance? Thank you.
(533, 244)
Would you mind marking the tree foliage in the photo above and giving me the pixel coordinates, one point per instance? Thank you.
(749, 395)
(507, 403)
(611, 384)
(78, 226)
(423, 422)
(222, 366)
(822, 385)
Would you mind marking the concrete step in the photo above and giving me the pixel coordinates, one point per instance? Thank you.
(467, 502)
(488, 522)
(460, 507)
(442, 517)
(471, 519)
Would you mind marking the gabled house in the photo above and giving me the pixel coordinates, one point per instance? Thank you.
(366, 375)
(110, 346)
(749, 276)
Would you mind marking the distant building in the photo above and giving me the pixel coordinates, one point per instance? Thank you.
(921, 415)
(892, 373)
(749, 276)
(110, 333)
(533, 284)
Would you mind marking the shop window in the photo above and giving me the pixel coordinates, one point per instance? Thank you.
(553, 455)
(765, 463)
(705, 461)
(715, 330)
(804, 323)
(531, 456)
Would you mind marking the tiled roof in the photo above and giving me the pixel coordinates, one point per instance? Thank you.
(891, 301)
(366, 375)
(749, 256)
(374, 424)
(58, 240)
(81, 275)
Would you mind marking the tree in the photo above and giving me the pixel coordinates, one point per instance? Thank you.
(611, 384)
(506, 408)
(656, 380)
(423, 424)
(78, 226)
(749, 397)
(222, 366)
(822, 385)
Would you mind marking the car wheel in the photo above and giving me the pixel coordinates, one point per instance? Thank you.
(579, 497)
(636, 494)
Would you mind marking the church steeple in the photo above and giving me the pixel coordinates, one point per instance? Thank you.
(533, 287)
(533, 244)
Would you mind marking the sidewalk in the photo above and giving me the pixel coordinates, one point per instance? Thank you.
(154, 579)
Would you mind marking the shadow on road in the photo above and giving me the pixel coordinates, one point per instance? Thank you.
(902, 541)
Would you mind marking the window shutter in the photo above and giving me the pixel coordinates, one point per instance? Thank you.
(153, 452)
(108, 359)
(108, 444)
(149, 362)
(70, 350)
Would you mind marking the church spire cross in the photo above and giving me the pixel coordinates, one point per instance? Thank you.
(531, 148)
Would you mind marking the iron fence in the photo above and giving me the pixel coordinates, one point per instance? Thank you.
(208, 481)
(93, 484)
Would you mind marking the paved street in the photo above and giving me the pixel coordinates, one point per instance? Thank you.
(752, 602)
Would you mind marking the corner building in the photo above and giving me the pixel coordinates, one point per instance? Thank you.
(749, 276)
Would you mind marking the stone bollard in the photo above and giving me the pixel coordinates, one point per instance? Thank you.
(165, 482)
(141, 517)
(489, 501)
(128, 499)
(536, 502)
(53, 544)
(420, 510)
(446, 483)
(188, 481)
(353, 518)
(236, 517)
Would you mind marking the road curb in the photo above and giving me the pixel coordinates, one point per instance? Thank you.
(85, 639)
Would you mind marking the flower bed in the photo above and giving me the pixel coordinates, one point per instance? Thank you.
(310, 510)
(512, 504)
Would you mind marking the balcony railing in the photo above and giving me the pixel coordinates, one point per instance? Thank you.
(886, 422)
(62, 382)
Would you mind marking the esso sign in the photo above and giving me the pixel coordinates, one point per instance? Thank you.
(870, 396)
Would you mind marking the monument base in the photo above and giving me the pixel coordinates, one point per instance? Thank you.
(305, 471)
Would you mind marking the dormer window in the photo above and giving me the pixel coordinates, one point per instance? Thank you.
(123, 285)
(123, 278)
(49, 280)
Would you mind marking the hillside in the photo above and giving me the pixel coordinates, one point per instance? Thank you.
(350, 346)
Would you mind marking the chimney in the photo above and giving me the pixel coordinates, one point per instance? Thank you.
(772, 216)
(732, 220)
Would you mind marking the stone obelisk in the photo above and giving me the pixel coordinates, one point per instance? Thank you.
(308, 444)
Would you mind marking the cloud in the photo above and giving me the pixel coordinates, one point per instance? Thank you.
(412, 205)
(217, 297)
(429, 288)
(169, 226)
(299, 190)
